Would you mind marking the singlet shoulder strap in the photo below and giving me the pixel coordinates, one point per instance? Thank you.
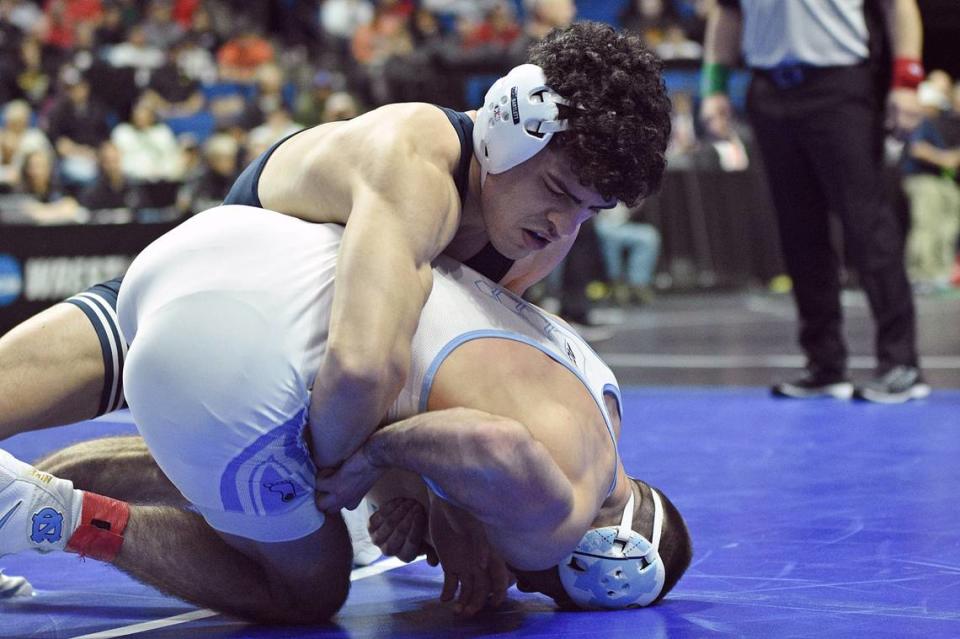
(463, 125)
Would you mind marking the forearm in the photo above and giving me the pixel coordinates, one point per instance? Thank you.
(476, 459)
(722, 38)
(905, 28)
(376, 307)
(943, 158)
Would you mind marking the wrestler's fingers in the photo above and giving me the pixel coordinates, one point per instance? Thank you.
(500, 582)
(467, 586)
(477, 598)
(384, 521)
(411, 544)
(450, 582)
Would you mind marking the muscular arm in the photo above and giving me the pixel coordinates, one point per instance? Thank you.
(486, 464)
(403, 210)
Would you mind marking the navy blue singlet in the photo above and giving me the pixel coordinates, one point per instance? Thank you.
(488, 261)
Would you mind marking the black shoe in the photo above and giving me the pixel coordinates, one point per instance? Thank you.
(897, 385)
(814, 385)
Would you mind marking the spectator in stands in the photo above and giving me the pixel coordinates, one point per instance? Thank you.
(278, 125)
(374, 44)
(683, 137)
(23, 14)
(148, 149)
(159, 28)
(135, 52)
(267, 98)
(202, 32)
(111, 190)
(340, 19)
(10, 34)
(544, 15)
(218, 172)
(498, 28)
(194, 61)
(47, 203)
(725, 144)
(932, 160)
(172, 93)
(63, 17)
(241, 56)
(18, 139)
(32, 73)
(340, 106)
(675, 45)
(112, 29)
(77, 124)
(310, 102)
(619, 235)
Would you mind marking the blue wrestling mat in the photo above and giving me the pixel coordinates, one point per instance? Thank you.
(809, 519)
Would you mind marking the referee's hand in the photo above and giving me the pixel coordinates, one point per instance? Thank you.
(903, 112)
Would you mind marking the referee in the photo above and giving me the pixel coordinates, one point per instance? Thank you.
(816, 103)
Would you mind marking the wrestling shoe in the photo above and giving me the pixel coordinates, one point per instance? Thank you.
(37, 511)
(813, 385)
(365, 552)
(897, 385)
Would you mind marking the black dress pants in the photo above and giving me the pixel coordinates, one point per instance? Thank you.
(821, 135)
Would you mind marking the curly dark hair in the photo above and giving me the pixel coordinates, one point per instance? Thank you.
(620, 113)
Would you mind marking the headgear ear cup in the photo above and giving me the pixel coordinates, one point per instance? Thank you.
(615, 566)
(518, 118)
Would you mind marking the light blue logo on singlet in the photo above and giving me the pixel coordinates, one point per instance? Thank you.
(47, 526)
(272, 475)
(11, 279)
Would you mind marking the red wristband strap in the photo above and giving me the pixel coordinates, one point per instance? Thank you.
(907, 73)
(102, 522)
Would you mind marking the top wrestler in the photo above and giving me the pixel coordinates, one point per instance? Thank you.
(552, 144)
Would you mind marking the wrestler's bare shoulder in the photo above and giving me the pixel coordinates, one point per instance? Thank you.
(312, 175)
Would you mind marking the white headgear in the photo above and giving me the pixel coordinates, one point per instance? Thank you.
(615, 566)
(518, 117)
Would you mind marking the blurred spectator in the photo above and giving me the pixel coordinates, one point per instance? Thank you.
(172, 92)
(241, 56)
(111, 190)
(23, 14)
(201, 30)
(159, 29)
(374, 44)
(30, 76)
(683, 137)
(18, 139)
(148, 149)
(675, 45)
(544, 15)
(219, 170)
(930, 167)
(267, 98)
(387, 34)
(310, 102)
(63, 17)
(112, 28)
(135, 52)
(725, 144)
(194, 61)
(10, 34)
(184, 10)
(340, 106)
(77, 124)
(278, 125)
(498, 28)
(940, 81)
(46, 203)
(619, 235)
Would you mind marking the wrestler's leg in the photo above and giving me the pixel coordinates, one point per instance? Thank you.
(298, 582)
(301, 581)
(118, 467)
(51, 371)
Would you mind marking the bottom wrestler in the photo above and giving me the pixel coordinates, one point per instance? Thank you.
(222, 345)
